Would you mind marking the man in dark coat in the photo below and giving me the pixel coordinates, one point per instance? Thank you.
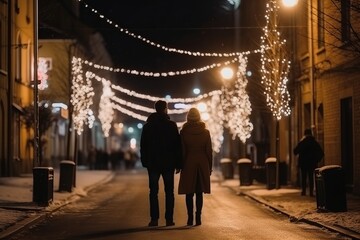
(310, 153)
(160, 149)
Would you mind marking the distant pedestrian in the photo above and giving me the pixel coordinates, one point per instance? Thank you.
(310, 154)
(115, 157)
(92, 157)
(196, 165)
(160, 150)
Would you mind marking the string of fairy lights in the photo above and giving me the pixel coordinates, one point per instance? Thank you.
(274, 64)
(158, 45)
(159, 74)
(229, 107)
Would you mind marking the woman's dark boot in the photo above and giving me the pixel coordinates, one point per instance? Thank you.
(198, 219)
(190, 220)
(190, 209)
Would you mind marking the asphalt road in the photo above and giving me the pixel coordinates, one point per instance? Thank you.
(119, 210)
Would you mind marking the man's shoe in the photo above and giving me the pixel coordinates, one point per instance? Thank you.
(169, 223)
(153, 223)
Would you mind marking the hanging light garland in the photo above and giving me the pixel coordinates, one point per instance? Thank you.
(146, 109)
(81, 98)
(136, 115)
(132, 93)
(236, 111)
(116, 101)
(168, 49)
(159, 74)
(274, 65)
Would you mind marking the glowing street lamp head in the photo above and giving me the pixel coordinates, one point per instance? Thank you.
(290, 3)
(227, 73)
(196, 91)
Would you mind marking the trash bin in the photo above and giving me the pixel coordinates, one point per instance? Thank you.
(67, 171)
(330, 188)
(270, 164)
(245, 171)
(43, 185)
(227, 168)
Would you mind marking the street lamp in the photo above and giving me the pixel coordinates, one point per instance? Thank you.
(227, 73)
(290, 3)
(196, 91)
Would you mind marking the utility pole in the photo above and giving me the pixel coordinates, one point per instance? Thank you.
(36, 91)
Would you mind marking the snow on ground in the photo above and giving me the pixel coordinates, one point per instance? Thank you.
(301, 207)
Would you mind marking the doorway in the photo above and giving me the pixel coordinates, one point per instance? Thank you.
(347, 160)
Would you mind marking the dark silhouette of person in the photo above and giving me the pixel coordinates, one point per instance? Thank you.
(160, 150)
(310, 154)
(196, 165)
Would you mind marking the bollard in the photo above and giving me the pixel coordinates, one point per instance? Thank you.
(67, 173)
(245, 171)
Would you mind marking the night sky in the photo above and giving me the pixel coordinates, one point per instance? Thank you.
(195, 25)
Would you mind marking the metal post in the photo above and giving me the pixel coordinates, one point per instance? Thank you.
(277, 150)
(36, 94)
(311, 64)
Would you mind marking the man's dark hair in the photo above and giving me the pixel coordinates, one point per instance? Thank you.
(160, 106)
(308, 132)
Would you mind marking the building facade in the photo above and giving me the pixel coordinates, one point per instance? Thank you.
(327, 73)
(16, 91)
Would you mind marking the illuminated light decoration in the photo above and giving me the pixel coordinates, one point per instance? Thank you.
(169, 100)
(43, 68)
(182, 106)
(154, 44)
(129, 112)
(136, 115)
(81, 98)
(274, 65)
(106, 112)
(159, 74)
(132, 93)
(237, 106)
(133, 143)
(215, 122)
(144, 109)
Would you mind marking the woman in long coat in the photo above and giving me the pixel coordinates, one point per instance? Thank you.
(196, 164)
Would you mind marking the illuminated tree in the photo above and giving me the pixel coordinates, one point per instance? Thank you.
(237, 106)
(274, 71)
(274, 65)
(215, 122)
(81, 98)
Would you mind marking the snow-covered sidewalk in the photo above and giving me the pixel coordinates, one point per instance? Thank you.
(303, 208)
(16, 196)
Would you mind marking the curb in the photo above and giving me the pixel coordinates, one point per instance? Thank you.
(31, 220)
(339, 230)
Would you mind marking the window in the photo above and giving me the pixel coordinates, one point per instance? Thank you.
(18, 59)
(16, 138)
(307, 115)
(321, 25)
(3, 37)
(345, 20)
